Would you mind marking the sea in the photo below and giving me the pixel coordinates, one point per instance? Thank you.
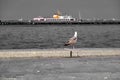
(55, 36)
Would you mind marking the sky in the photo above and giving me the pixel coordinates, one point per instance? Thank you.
(28, 9)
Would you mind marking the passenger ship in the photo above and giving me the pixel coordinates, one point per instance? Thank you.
(56, 17)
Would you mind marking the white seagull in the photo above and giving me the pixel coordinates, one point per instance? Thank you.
(72, 40)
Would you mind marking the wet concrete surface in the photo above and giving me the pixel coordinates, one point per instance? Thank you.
(82, 68)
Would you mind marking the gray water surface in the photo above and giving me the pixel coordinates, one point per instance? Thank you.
(54, 36)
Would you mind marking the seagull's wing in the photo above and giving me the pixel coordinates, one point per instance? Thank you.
(71, 41)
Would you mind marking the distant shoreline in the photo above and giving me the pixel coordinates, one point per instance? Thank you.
(82, 22)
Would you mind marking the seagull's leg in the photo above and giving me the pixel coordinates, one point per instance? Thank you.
(73, 47)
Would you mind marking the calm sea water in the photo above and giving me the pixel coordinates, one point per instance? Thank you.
(54, 36)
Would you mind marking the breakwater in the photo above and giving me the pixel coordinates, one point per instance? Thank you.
(80, 52)
(31, 22)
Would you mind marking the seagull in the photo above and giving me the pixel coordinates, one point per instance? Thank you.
(72, 40)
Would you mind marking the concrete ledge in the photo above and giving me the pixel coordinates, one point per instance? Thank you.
(19, 53)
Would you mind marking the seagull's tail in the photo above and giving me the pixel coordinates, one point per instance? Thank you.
(66, 44)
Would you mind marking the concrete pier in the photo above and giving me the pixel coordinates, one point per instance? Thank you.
(28, 53)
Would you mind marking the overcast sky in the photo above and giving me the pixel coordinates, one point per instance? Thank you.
(28, 9)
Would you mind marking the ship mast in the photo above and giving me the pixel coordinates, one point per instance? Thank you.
(58, 12)
(79, 16)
